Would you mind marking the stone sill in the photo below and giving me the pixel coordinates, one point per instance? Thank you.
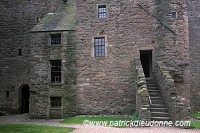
(55, 108)
(100, 58)
(57, 45)
(56, 84)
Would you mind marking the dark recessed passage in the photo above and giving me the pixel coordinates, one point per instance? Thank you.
(24, 99)
(146, 60)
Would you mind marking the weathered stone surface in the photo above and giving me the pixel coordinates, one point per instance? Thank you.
(142, 94)
(169, 93)
(17, 19)
(41, 83)
(194, 39)
(94, 85)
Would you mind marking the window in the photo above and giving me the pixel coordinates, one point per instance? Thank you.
(99, 46)
(38, 19)
(174, 15)
(102, 11)
(55, 71)
(55, 102)
(55, 39)
(19, 52)
(7, 94)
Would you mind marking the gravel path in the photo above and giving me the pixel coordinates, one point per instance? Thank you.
(23, 119)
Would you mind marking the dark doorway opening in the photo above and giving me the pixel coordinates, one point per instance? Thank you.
(24, 99)
(146, 60)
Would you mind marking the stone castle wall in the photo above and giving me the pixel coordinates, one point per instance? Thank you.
(171, 43)
(106, 85)
(17, 19)
(194, 39)
(103, 85)
(41, 87)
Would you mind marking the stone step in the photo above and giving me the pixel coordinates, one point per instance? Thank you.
(161, 118)
(150, 79)
(152, 85)
(154, 94)
(157, 101)
(158, 109)
(160, 114)
(150, 82)
(153, 88)
(156, 98)
(157, 106)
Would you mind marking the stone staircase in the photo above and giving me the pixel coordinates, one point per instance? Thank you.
(158, 109)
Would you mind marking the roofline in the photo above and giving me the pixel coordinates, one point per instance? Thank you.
(51, 31)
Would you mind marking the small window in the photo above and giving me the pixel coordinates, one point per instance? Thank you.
(56, 71)
(99, 46)
(55, 102)
(7, 94)
(102, 11)
(19, 52)
(55, 39)
(174, 15)
(38, 19)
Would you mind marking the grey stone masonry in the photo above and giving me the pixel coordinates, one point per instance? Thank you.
(194, 41)
(105, 84)
(42, 89)
(172, 44)
(169, 92)
(142, 94)
(17, 19)
(97, 52)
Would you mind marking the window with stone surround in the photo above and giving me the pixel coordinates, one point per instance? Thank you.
(55, 71)
(99, 47)
(55, 102)
(174, 15)
(55, 39)
(102, 11)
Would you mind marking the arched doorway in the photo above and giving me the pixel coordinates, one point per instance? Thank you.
(24, 99)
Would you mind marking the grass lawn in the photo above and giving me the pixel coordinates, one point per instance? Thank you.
(18, 128)
(195, 125)
(195, 115)
(102, 121)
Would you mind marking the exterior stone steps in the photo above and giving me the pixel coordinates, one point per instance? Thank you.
(156, 98)
(158, 101)
(153, 88)
(158, 109)
(154, 94)
(161, 114)
(152, 85)
(161, 118)
(157, 106)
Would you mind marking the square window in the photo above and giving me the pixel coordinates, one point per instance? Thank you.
(102, 11)
(99, 46)
(55, 102)
(7, 94)
(55, 71)
(174, 15)
(19, 52)
(56, 39)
